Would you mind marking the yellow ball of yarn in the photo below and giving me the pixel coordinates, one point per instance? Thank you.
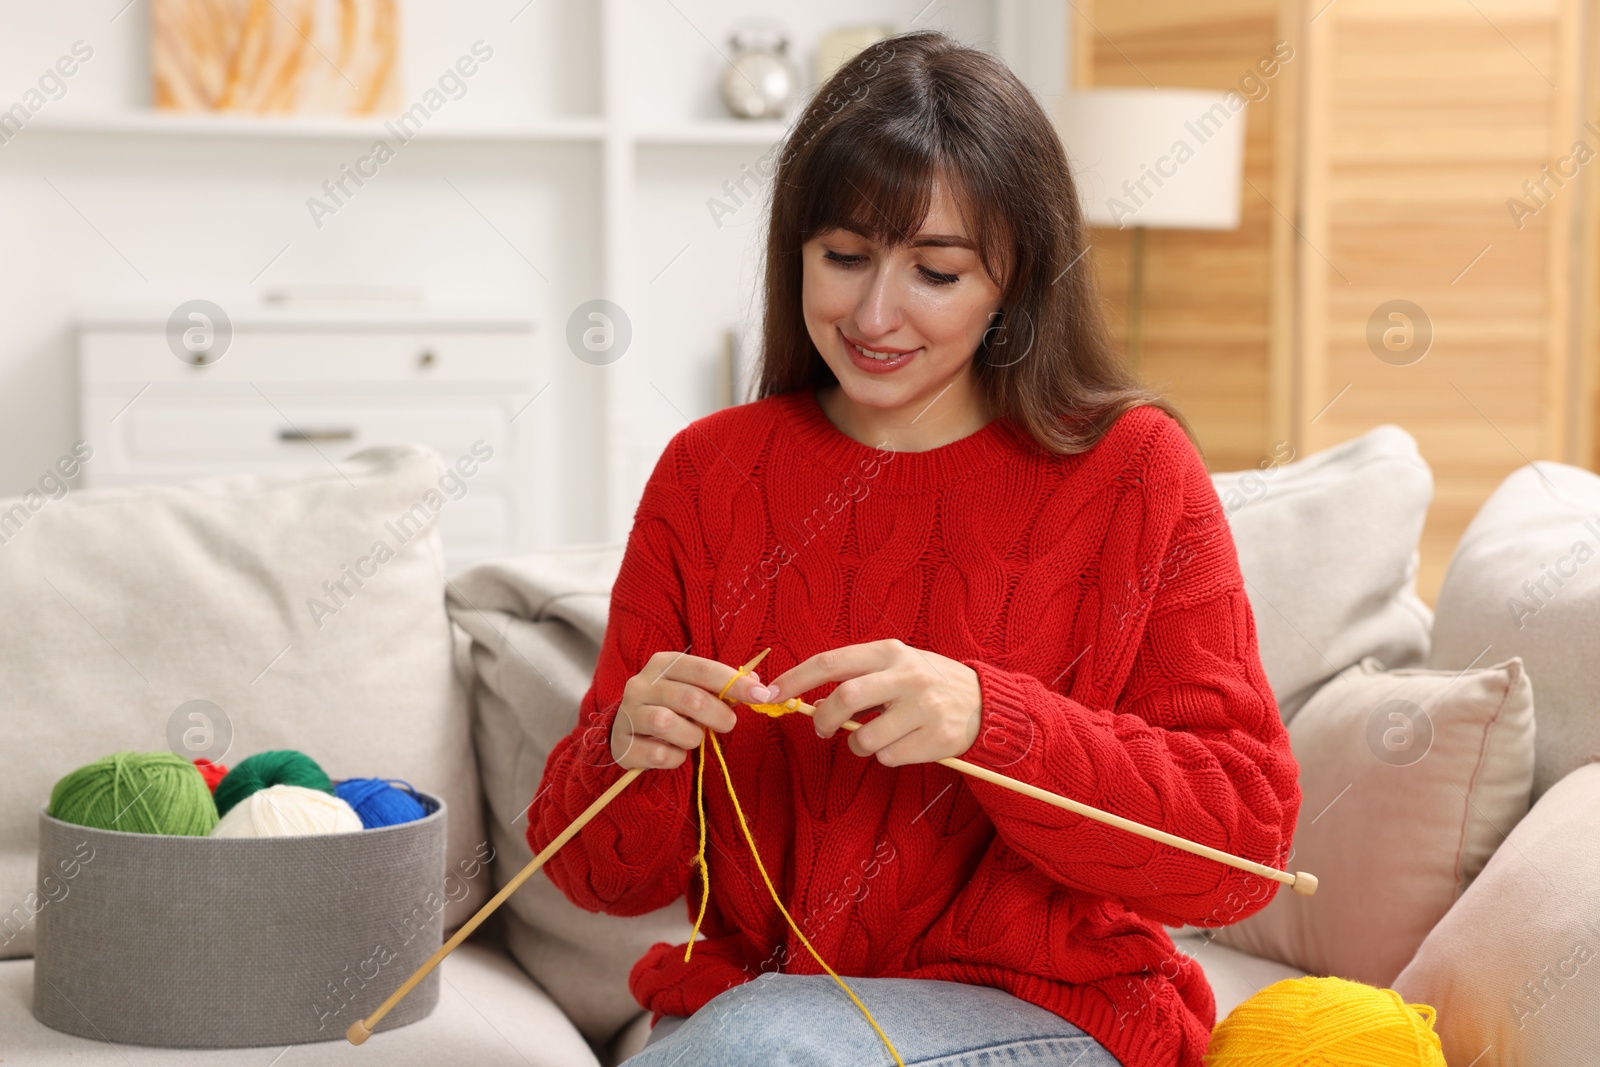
(1325, 1022)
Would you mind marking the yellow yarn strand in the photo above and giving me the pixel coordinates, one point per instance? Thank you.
(773, 710)
(715, 747)
(700, 857)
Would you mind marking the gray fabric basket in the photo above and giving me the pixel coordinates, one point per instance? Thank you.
(204, 942)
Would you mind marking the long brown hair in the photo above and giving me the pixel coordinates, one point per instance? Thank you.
(865, 153)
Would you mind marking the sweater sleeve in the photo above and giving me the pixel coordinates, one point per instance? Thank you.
(1193, 745)
(634, 856)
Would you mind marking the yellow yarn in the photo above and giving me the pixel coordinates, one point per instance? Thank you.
(774, 710)
(1315, 1022)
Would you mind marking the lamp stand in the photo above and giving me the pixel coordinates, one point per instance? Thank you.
(1136, 299)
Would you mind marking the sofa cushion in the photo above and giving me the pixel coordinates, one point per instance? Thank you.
(1515, 965)
(1409, 778)
(1523, 581)
(1234, 976)
(535, 624)
(490, 1014)
(140, 601)
(1328, 548)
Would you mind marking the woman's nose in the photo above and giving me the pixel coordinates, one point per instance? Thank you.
(878, 312)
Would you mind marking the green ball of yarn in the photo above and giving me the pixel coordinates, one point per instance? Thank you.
(282, 766)
(137, 792)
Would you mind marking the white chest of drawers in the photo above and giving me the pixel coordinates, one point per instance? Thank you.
(294, 389)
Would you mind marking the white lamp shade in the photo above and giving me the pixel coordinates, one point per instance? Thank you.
(1155, 157)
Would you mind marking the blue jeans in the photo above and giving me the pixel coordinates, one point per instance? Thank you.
(790, 1020)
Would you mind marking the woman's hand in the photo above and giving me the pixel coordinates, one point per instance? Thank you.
(931, 704)
(666, 706)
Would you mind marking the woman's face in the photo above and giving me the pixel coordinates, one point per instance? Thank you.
(922, 307)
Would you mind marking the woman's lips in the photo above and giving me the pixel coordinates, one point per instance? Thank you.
(874, 365)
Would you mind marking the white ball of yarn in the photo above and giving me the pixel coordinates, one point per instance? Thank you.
(288, 811)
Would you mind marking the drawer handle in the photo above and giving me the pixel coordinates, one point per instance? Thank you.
(335, 434)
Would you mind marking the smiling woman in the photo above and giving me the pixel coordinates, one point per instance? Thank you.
(928, 300)
(926, 241)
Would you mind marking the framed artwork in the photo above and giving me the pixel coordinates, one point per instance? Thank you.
(309, 57)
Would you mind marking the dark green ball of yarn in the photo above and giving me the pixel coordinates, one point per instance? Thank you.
(136, 792)
(282, 766)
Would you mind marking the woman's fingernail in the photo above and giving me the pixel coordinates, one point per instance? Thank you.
(762, 693)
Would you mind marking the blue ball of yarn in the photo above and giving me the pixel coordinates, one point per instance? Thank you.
(379, 803)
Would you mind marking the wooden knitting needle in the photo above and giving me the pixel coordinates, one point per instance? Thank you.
(361, 1029)
(1301, 882)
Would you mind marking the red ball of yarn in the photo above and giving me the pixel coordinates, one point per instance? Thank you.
(211, 772)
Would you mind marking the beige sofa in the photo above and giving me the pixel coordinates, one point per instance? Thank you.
(1415, 735)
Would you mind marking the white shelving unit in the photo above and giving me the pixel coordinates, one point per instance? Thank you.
(582, 164)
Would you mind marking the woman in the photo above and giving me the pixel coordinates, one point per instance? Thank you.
(956, 519)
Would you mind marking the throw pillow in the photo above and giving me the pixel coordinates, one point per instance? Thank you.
(1523, 581)
(227, 616)
(1514, 968)
(1328, 548)
(535, 625)
(1409, 778)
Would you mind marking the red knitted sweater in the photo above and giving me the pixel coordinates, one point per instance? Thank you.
(1097, 596)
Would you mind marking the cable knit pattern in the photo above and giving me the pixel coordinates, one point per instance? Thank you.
(1099, 599)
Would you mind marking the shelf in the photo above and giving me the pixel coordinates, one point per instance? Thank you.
(714, 132)
(200, 124)
(711, 132)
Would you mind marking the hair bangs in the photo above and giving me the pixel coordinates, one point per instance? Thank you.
(880, 184)
(874, 186)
